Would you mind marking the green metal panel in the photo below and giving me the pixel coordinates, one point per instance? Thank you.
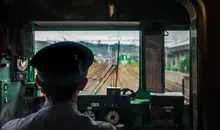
(5, 83)
(4, 69)
(14, 90)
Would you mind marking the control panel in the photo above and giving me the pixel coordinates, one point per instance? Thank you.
(21, 69)
(106, 108)
(163, 111)
(113, 109)
(167, 108)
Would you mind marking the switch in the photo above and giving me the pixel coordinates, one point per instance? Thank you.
(6, 93)
(6, 100)
(5, 86)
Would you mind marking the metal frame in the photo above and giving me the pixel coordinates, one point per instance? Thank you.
(105, 25)
(84, 25)
(198, 50)
(94, 25)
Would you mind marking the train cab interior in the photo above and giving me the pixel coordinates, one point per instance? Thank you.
(144, 73)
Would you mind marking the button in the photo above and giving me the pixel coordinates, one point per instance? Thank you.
(6, 93)
(6, 100)
(21, 76)
(5, 86)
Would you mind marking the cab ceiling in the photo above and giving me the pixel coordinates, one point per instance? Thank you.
(168, 12)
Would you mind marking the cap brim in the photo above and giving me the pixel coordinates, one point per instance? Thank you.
(84, 54)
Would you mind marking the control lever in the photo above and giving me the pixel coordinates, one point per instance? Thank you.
(120, 127)
(125, 90)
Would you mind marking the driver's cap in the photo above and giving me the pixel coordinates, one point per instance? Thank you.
(62, 63)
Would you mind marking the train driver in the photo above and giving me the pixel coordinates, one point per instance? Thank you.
(61, 73)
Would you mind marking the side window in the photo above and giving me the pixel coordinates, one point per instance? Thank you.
(177, 62)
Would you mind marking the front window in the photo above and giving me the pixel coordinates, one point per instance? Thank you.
(116, 56)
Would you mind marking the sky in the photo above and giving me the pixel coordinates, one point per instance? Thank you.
(177, 37)
(87, 35)
(126, 37)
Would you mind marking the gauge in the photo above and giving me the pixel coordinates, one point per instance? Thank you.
(90, 114)
(22, 64)
(113, 117)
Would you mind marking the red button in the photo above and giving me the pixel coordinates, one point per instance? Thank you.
(21, 76)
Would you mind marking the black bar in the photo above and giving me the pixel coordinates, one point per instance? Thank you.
(117, 64)
(183, 87)
(4, 65)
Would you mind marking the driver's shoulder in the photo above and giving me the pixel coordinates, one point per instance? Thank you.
(88, 123)
(97, 125)
(104, 126)
(12, 124)
(18, 123)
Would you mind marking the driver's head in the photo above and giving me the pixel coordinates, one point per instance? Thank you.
(61, 70)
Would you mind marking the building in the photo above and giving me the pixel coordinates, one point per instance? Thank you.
(177, 56)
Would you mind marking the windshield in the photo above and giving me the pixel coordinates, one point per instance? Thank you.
(116, 56)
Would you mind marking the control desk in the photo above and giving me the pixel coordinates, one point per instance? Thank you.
(113, 109)
(132, 113)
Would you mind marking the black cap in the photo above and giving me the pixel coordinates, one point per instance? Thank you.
(63, 59)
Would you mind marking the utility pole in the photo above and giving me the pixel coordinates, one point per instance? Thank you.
(109, 52)
(118, 38)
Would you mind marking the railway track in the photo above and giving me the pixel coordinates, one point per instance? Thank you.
(133, 72)
(99, 76)
(103, 80)
(128, 78)
(96, 68)
(94, 77)
(121, 83)
(173, 87)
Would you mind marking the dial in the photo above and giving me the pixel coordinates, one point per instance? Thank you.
(113, 117)
(90, 114)
(22, 64)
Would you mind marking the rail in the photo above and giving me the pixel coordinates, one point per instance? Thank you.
(99, 74)
(133, 73)
(173, 87)
(103, 80)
